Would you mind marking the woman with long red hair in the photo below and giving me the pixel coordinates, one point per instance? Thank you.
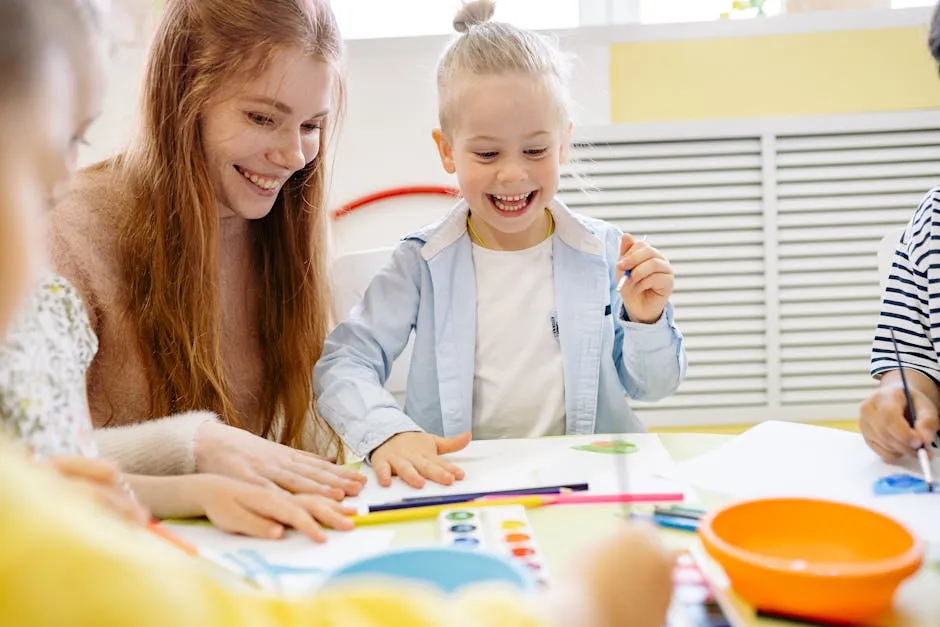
(200, 252)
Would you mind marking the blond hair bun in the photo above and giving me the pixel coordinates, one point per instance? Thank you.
(473, 14)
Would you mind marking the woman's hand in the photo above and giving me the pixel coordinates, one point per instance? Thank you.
(238, 507)
(236, 453)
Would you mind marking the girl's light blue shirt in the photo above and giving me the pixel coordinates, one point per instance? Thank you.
(429, 288)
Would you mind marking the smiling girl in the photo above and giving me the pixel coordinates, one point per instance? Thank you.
(521, 326)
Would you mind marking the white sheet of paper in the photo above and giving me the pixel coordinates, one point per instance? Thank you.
(293, 565)
(777, 458)
(537, 462)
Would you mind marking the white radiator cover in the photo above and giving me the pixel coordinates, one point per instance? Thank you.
(772, 227)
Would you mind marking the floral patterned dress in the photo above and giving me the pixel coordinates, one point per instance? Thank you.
(43, 360)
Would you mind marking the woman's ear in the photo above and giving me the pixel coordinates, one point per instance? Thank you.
(445, 150)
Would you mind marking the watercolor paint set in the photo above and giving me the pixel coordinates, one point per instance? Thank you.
(503, 530)
(694, 602)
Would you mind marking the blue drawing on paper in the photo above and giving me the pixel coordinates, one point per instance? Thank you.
(900, 484)
(255, 566)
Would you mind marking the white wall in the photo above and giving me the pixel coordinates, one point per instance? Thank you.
(115, 126)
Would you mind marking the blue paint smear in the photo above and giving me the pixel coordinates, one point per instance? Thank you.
(900, 484)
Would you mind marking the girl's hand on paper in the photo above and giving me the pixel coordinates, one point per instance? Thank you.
(238, 507)
(232, 452)
(415, 456)
(882, 421)
(600, 591)
(103, 481)
(649, 286)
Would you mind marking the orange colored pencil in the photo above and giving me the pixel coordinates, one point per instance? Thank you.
(217, 559)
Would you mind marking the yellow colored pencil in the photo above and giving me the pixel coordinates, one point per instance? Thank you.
(430, 511)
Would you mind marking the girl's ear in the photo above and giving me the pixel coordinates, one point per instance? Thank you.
(445, 150)
(565, 151)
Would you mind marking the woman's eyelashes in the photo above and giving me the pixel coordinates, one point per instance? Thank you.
(259, 119)
(312, 127)
(267, 121)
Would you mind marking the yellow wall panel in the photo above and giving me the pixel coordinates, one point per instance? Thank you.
(800, 74)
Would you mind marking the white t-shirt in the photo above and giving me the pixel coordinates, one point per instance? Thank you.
(518, 379)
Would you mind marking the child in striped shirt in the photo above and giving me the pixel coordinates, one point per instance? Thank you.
(910, 309)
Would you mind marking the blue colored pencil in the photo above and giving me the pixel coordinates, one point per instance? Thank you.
(670, 522)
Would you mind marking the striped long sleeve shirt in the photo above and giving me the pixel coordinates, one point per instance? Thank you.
(911, 301)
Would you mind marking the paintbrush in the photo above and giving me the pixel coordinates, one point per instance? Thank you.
(909, 415)
(620, 458)
(626, 273)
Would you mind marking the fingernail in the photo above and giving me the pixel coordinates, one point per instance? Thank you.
(275, 531)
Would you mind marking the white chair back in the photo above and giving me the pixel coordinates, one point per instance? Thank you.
(350, 275)
(886, 250)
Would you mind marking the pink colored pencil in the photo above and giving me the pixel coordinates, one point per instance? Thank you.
(592, 499)
(579, 498)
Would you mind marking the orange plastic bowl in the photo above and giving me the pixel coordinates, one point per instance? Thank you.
(812, 559)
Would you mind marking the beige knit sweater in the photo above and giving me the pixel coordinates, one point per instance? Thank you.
(84, 247)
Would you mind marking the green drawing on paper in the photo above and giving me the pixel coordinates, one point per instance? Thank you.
(611, 447)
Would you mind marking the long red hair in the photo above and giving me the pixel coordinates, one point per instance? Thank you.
(170, 237)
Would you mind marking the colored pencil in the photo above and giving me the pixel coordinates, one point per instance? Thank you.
(597, 499)
(447, 499)
(213, 557)
(670, 522)
(590, 499)
(679, 512)
(548, 489)
(429, 511)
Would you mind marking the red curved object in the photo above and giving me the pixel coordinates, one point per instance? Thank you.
(412, 190)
